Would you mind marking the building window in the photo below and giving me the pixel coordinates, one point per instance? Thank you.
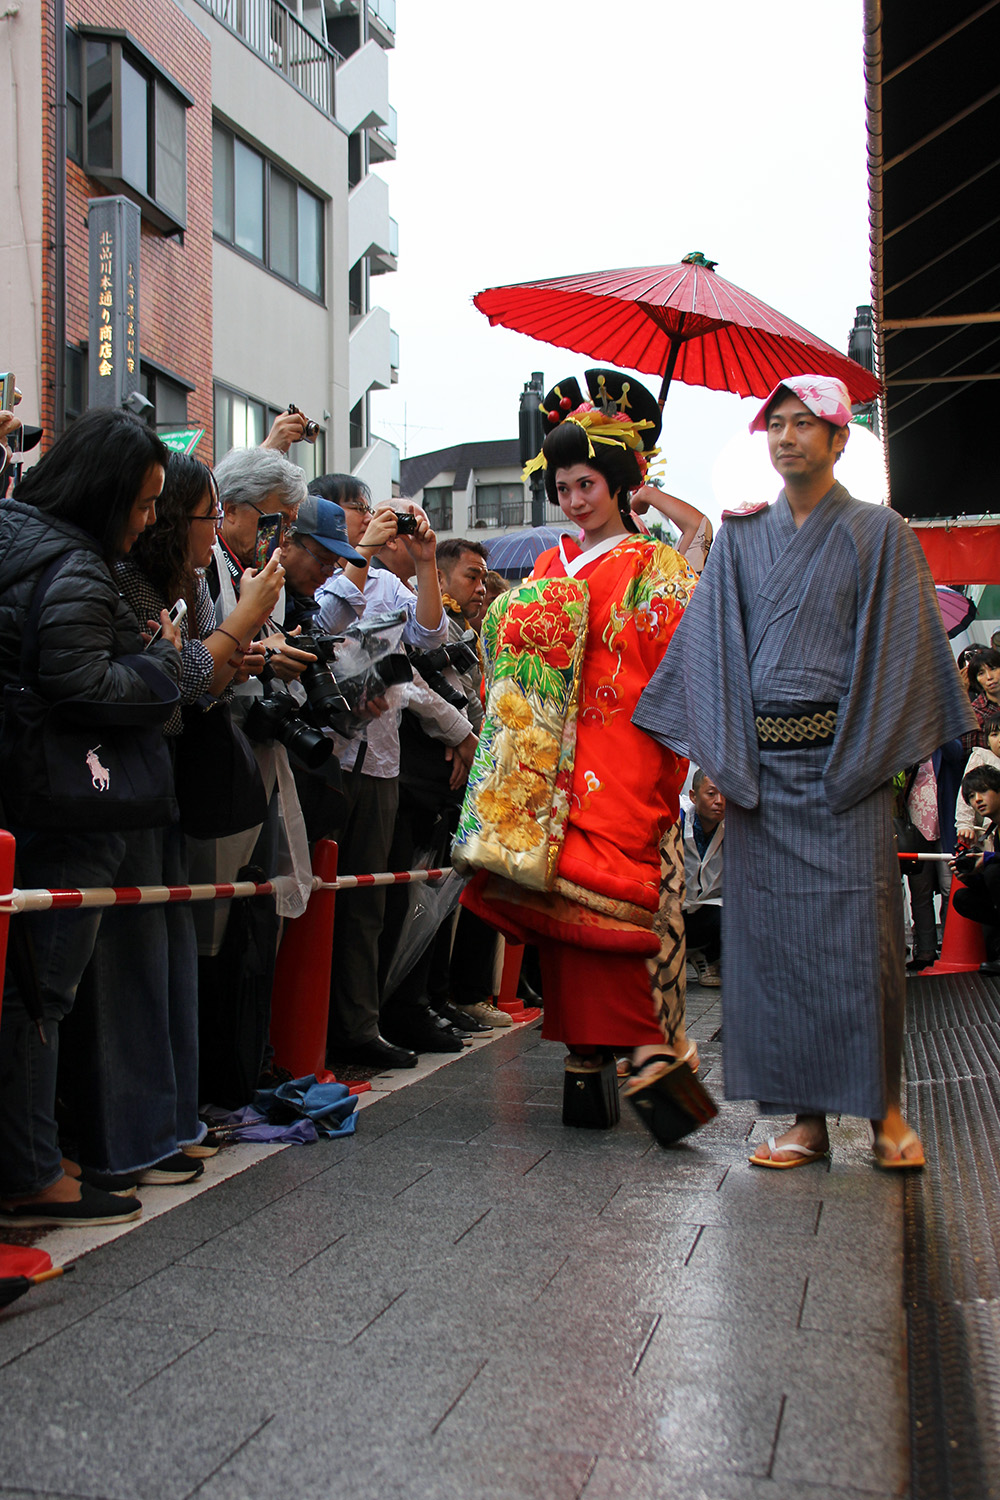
(437, 503)
(168, 395)
(126, 123)
(499, 505)
(258, 209)
(243, 421)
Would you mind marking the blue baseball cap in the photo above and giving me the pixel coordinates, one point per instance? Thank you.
(325, 522)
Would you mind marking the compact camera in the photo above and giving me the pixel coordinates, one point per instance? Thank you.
(406, 523)
(312, 428)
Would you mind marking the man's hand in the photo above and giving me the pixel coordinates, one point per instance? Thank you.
(380, 529)
(289, 427)
(460, 758)
(252, 664)
(422, 545)
(287, 662)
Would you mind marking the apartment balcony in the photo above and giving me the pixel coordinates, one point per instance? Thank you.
(363, 89)
(370, 355)
(369, 227)
(382, 261)
(382, 21)
(270, 29)
(382, 140)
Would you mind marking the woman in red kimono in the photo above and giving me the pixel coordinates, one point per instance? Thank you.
(571, 813)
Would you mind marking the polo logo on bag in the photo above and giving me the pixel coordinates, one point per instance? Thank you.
(100, 776)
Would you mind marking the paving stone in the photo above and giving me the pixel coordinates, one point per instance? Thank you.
(466, 1301)
(46, 1312)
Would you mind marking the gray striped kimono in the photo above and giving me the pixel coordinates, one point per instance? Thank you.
(840, 611)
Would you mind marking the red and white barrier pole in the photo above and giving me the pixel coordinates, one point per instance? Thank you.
(7, 851)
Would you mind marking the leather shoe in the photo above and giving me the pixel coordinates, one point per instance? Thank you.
(421, 1028)
(378, 1053)
(461, 1020)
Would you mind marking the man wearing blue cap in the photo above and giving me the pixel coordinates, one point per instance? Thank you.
(316, 545)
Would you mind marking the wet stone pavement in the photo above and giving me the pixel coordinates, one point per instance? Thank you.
(466, 1301)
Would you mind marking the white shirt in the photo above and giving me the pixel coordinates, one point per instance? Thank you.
(340, 604)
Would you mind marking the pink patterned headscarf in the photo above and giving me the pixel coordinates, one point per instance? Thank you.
(825, 397)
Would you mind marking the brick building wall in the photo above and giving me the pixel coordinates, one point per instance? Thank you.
(176, 280)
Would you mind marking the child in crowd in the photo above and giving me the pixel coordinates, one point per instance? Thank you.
(983, 755)
(978, 895)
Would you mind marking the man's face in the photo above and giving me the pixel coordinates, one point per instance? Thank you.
(709, 803)
(986, 803)
(465, 581)
(357, 514)
(239, 525)
(307, 564)
(802, 445)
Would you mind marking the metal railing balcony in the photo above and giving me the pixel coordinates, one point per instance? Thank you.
(384, 11)
(279, 37)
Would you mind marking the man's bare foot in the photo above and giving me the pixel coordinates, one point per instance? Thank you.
(896, 1145)
(63, 1190)
(808, 1131)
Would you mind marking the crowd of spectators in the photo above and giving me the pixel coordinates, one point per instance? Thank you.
(218, 606)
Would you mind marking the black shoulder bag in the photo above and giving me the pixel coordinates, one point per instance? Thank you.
(85, 765)
(219, 786)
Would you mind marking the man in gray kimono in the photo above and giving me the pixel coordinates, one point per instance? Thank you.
(810, 665)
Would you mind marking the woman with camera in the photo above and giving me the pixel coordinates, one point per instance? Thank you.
(132, 1077)
(77, 511)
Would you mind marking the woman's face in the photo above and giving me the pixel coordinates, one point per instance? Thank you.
(143, 512)
(993, 740)
(201, 530)
(586, 500)
(988, 679)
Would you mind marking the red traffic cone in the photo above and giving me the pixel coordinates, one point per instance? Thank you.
(963, 948)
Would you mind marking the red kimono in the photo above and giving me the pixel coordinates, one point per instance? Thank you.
(610, 930)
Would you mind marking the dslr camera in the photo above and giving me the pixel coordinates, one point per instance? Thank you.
(460, 654)
(351, 669)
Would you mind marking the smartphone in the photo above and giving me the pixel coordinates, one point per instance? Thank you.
(7, 389)
(177, 614)
(268, 539)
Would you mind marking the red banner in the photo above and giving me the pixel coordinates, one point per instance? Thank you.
(961, 554)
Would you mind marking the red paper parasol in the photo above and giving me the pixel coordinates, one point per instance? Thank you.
(682, 322)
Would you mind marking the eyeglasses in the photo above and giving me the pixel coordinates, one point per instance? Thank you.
(360, 505)
(324, 558)
(215, 516)
(286, 523)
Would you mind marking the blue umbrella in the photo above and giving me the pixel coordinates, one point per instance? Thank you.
(514, 553)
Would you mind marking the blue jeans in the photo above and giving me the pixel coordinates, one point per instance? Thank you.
(129, 1070)
(63, 943)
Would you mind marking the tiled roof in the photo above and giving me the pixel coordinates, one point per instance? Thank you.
(500, 453)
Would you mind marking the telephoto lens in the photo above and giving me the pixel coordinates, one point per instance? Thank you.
(275, 718)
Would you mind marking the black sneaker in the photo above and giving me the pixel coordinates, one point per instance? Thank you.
(123, 1184)
(461, 1019)
(172, 1171)
(92, 1207)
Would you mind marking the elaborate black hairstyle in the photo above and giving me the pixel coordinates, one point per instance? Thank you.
(94, 474)
(578, 436)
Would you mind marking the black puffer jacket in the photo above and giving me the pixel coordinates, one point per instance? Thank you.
(85, 624)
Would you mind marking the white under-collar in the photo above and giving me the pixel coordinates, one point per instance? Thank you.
(573, 566)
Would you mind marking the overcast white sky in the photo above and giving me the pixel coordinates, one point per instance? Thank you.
(545, 139)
